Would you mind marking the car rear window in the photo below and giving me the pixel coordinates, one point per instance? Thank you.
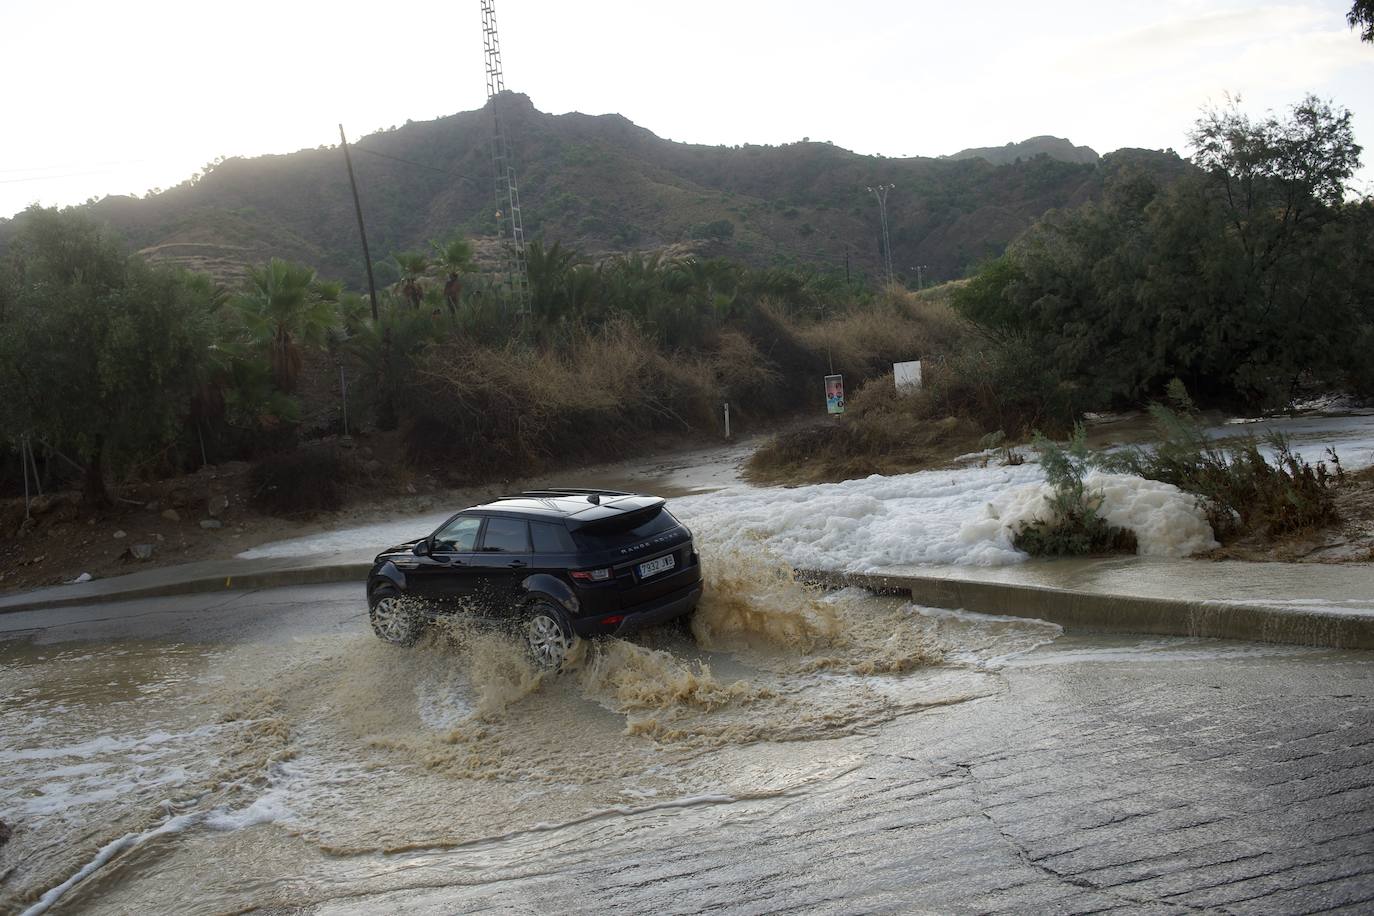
(624, 532)
(551, 538)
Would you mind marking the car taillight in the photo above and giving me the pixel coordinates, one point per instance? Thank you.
(591, 575)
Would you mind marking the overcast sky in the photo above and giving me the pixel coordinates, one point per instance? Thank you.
(104, 98)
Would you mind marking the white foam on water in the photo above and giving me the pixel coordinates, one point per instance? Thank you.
(940, 613)
(107, 852)
(1166, 521)
(1355, 607)
(960, 518)
(269, 808)
(105, 744)
(963, 517)
(862, 525)
(1165, 651)
(927, 518)
(443, 704)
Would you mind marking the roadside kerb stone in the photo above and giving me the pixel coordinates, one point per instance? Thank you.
(194, 578)
(1099, 612)
(1077, 609)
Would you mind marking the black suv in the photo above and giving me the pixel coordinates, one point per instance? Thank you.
(560, 563)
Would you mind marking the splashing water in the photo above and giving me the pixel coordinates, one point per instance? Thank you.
(342, 744)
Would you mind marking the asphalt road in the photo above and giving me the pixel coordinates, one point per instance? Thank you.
(1097, 774)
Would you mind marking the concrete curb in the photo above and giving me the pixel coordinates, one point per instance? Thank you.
(1077, 610)
(1099, 612)
(319, 574)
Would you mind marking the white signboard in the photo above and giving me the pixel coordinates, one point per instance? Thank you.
(908, 375)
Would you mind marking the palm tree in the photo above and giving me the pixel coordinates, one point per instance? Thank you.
(455, 257)
(550, 270)
(283, 307)
(413, 267)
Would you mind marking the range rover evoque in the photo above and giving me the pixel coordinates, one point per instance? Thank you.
(557, 563)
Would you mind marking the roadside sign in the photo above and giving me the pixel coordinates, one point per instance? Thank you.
(834, 393)
(907, 375)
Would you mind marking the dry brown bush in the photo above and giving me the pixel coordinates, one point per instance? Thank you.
(485, 410)
(881, 432)
(864, 344)
(514, 408)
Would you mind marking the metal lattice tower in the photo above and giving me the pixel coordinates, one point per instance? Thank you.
(509, 226)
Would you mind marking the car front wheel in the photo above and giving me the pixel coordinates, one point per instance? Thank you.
(548, 634)
(395, 618)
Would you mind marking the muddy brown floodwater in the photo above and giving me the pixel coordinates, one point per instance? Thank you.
(227, 777)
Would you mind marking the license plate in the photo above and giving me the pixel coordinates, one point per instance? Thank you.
(655, 566)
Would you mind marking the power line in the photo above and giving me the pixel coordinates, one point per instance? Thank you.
(432, 168)
(880, 193)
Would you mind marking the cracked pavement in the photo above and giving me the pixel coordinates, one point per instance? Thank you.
(1239, 783)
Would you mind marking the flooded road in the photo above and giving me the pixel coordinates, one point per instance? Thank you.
(273, 726)
(263, 751)
(260, 751)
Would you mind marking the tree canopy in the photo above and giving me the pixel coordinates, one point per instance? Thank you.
(1239, 280)
(99, 353)
(1361, 16)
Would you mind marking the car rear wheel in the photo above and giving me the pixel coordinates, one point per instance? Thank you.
(395, 618)
(548, 634)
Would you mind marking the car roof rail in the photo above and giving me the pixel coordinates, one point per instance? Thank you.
(565, 491)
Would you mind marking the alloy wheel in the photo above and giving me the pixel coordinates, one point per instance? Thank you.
(547, 640)
(391, 619)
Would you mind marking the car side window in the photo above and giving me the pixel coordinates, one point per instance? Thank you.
(506, 535)
(459, 535)
(551, 538)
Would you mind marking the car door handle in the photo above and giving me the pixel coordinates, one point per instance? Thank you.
(516, 564)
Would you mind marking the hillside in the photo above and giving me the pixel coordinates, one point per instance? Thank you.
(1055, 147)
(603, 184)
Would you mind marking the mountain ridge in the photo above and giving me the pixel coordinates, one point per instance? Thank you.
(1044, 145)
(603, 184)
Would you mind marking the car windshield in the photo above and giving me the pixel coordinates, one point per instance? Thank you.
(633, 528)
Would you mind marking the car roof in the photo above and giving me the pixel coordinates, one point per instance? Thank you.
(579, 505)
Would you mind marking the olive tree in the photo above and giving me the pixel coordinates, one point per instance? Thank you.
(98, 351)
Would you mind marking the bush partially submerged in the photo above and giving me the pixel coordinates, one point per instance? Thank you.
(299, 482)
(1244, 491)
(1074, 528)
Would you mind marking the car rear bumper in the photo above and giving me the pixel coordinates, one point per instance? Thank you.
(661, 611)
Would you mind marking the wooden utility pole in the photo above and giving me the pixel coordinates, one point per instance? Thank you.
(358, 208)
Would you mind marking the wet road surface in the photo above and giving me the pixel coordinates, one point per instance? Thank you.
(262, 751)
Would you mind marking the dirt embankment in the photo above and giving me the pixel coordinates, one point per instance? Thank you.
(205, 515)
(211, 514)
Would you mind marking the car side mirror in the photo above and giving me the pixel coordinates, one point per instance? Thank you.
(421, 549)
